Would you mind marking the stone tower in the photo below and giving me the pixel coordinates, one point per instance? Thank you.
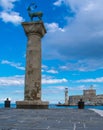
(32, 93)
(66, 96)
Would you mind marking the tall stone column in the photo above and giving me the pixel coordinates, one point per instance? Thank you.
(32, 93)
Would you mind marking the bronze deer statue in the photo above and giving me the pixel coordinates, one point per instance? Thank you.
(34, 14)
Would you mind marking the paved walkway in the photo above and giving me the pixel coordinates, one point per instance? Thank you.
(100, 112)
(50, 119)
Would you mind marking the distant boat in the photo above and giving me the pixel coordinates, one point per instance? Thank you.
(89, 103)
(60, 104)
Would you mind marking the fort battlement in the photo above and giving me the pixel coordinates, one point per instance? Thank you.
(89, 97)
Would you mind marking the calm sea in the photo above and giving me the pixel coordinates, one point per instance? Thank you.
(54, 106)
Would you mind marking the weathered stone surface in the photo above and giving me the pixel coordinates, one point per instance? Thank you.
(32, 93)
(32, 104)
(34, 28)
(89, 97)
(49, 119)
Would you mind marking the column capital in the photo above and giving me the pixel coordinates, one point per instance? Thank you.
(34, 28)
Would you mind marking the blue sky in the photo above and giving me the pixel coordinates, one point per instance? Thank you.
(72, 49)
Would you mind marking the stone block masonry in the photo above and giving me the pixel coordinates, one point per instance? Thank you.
(32, 96)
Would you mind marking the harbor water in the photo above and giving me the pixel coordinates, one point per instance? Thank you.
(53, 106)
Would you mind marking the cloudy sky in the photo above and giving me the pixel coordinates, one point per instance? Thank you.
(72, 49)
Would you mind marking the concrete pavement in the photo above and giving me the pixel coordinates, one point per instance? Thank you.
(49, 119)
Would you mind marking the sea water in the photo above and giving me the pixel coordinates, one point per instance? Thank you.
(76, 107)
(13, 105)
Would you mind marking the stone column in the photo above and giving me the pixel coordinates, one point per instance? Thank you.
(32, 93)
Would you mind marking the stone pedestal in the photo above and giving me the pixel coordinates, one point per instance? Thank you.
(32, 93)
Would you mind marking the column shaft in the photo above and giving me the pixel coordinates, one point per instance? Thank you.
(33, 68)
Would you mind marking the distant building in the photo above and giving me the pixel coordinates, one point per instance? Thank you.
(89, 97)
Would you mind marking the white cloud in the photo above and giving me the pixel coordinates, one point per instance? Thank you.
(58, 2)
(90, 6)
(7, 14)
(12, 81)
(61, 88)
(12, 17)
(82, 38)
(54, 81)
(44, 66)
(18, 80)
(95, 80)
(83, 65)
(52, 71)
(3, 99)
(48, 69)
(64, 67)
(16, 65)
(53, 27)
(57, 91)
(78, 88)
(18, 92)
(53, 89)
(7, 4)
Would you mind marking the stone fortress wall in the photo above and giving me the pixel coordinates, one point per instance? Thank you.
(89, 97)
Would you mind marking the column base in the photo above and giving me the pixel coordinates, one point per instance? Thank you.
(32, 104)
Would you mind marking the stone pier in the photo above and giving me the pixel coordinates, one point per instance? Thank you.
(32, 93)
(50, 119)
